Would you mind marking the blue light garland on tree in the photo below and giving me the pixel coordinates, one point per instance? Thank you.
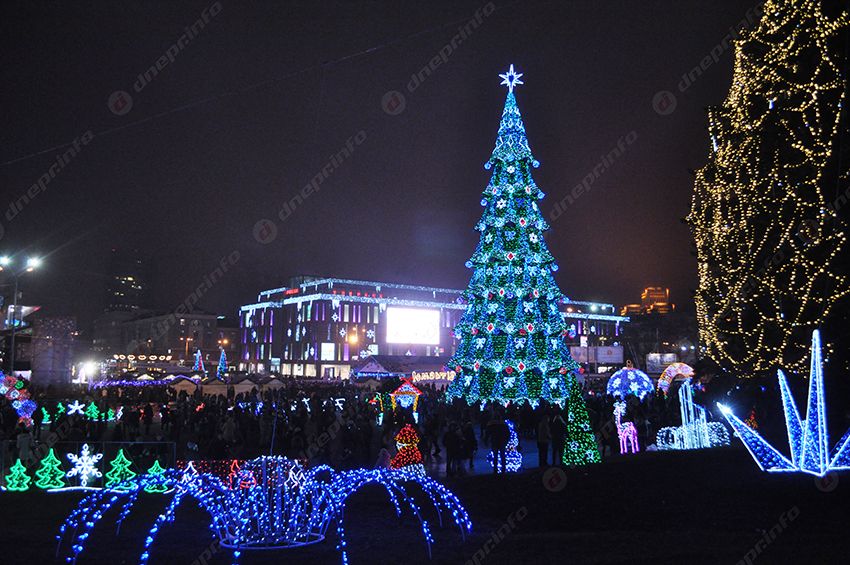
(222, 365)
(511, 334)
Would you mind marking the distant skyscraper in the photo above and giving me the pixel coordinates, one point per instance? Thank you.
(127, 285)
(654, 300)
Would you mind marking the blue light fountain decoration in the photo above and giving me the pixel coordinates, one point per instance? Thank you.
(283, 506)
(808, 439)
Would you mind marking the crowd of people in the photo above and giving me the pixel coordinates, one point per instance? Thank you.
(322, 423)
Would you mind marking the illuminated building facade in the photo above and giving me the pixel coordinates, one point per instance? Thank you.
(321, 327)
(653, 300)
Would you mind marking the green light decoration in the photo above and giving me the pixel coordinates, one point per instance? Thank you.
(580, 447)
(511, 335)
(46, 415)
(60, 410)
(18, 480)
(158, 486)
(92, 412)
(119, 472)
(50, 474)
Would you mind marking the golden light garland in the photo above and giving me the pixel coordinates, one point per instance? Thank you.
(767, 235)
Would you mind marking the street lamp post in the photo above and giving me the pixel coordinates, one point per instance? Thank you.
(31, 264)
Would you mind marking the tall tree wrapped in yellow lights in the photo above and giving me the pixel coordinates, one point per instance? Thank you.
(767, 214)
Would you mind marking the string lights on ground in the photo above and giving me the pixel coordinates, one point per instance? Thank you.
(289, 507)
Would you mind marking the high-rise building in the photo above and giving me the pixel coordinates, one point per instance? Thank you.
(127, 283)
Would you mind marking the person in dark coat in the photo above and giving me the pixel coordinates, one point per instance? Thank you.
(499, 433)
(544, 437)
(559, 437)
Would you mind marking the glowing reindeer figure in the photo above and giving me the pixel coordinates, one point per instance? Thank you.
(626, 430)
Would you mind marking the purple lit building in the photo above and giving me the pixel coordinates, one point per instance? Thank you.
(320, 327)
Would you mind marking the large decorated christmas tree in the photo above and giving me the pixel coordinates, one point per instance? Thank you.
(511, 335)
(768, 213)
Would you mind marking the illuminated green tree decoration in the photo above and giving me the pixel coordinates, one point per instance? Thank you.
(157, 471)
(771, 248)
(581, 447)
(18, 480)
(60, 410)
(92, 412)
(50, 473)
(512, 334)
(119, 471)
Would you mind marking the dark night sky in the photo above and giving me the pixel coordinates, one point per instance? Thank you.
(246, 115)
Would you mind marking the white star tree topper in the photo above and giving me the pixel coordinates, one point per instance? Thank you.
(511, 79)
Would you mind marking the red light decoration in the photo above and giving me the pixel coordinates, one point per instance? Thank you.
(408, 454)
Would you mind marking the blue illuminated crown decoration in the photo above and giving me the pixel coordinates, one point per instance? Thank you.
(808, 439)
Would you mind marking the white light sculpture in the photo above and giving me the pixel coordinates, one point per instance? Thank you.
(695, 432)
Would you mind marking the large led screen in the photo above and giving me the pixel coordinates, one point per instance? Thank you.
(413, 326)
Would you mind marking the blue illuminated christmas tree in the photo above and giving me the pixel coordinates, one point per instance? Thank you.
(222, 365)
(512, 335)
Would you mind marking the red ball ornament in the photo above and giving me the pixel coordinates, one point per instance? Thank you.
(474, 331)
(562, 370)
(522, 331)
(458, 368)
(509, 370)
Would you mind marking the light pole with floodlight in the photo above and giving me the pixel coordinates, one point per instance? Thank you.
(32, 264)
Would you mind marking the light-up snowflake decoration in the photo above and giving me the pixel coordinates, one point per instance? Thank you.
(285, 507)
(85, 465)
(808, 439)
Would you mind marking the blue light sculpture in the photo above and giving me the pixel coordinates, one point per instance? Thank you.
(285, 506)
(629, 380)
(808, 439)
